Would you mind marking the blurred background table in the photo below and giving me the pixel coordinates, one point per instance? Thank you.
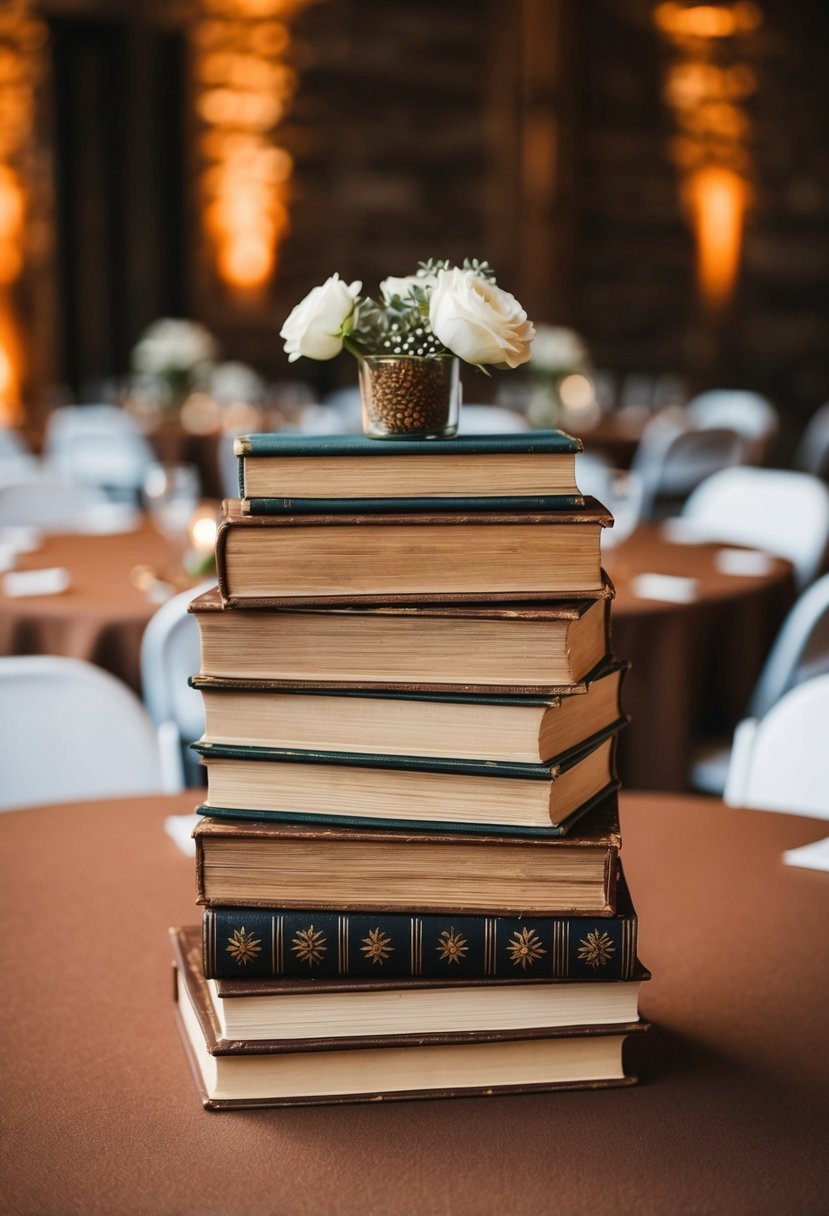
(103, 614)
(693, 664)
(100, 1114)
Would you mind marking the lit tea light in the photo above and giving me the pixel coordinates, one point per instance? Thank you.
(204, 525)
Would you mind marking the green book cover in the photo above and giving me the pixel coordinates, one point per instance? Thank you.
(523, 442)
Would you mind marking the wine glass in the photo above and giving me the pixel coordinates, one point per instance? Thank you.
(171, 492)
(623, 497)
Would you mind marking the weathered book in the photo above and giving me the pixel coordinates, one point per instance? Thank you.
(252, 945)
(262, 713)
(268, 560)
(430, 792)
(282, 1071)
(470, 648)
(303, 1007)
(533, 471)
(248, 863)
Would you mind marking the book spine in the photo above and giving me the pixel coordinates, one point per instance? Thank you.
(369, 506)
(273, 943)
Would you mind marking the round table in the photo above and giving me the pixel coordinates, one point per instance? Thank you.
(100, 1114)
(102, 616)
(693, 664)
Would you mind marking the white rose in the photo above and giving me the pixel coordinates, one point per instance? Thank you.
(556, 349)
(401, 287)
(479, 322)
(315, 327)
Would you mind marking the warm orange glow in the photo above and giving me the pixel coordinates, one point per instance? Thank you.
(718, 199)
(707, 20)
(244, 89)
(10, 367)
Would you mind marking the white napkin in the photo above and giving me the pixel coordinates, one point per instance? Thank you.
(179, 828)
(8, 557)
(749, 563)
(810, 856)
(668, 587)
(21, 538)
(51, 581)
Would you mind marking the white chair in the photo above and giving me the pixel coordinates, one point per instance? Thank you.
(751, 414)
(490, 420)
(800, 652)
(170, 654)
(50, 505)
(672, 458)
(774, 510)
(17, 462)
(99, 446)
(812, 455)
(781, 762)
(71, 731)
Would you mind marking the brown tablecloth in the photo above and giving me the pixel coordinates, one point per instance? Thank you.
(102, 616)
(100, 1114)
(694, 665)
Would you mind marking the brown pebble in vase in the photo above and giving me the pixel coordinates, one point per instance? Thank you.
(407, 396)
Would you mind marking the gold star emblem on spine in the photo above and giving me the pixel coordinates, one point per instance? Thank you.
(524, 948)
(596, 949)
(243, 947)
(452, 947)
(377, 946)
(309, 945)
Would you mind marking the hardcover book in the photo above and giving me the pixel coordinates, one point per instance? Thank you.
(262, 713)
(437, 793)
(303, 1008)
(534, 470)
(470, 648)
(283, 1071)
(254, 945)
(248, 863)
(264, 560)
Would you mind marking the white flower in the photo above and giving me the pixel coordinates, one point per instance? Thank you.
(558, 350)
(401, 287)
(479, 322)
(315, 327)
(173, 345)
(233, 381)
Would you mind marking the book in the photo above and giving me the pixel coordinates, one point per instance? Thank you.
(303, 1008)
(268, 560)
(251, 863)
(470, 648)
(288, 1071)
(436, 793)
(534, 470)
(255, 945)
(484, 727)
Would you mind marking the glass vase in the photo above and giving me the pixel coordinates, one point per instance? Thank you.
(407, 397)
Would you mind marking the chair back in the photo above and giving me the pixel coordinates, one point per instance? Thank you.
(170, 654)
(490, 420)
(772, 509)
(812, 455)
(49, 504)
(781, 762)
(800, 650)
(71, 731)
(672, 460)
(751, 414)
(100, 446)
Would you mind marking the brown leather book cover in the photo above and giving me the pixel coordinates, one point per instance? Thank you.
(592, 514)
(187, 967)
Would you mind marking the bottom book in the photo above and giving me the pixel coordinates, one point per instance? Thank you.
(280, 1072)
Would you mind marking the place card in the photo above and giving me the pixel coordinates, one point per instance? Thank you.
(809, 856)
(743, 563)
(180, 829)
(51, 581)
(668, 587)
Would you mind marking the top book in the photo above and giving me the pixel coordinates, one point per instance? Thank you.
(532, 470)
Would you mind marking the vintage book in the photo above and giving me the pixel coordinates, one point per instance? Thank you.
(308, 1008)
(526, 728)
(435, 793)
(268, 560)
(470, 648)
(534, 470)
(258, 944)
(251, 863)
(284, 1071)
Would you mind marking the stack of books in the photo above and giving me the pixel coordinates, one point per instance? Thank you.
(408, 859)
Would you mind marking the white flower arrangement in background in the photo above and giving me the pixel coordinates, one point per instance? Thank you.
(439, 312)
(172, 354)
(558, 352)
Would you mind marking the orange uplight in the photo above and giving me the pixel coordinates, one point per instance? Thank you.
(10, 408)
(718, 198)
